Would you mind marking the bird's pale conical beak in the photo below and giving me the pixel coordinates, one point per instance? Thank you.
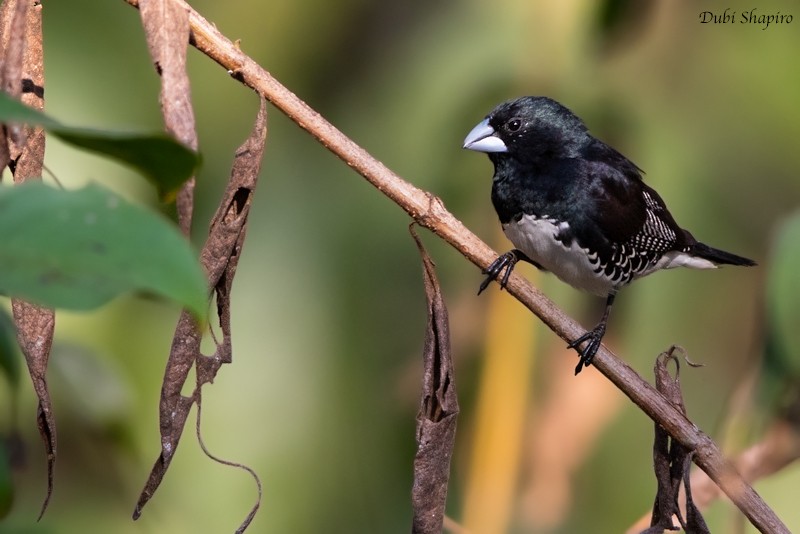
(483, 138)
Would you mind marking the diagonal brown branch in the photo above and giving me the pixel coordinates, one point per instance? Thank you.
(429, 211)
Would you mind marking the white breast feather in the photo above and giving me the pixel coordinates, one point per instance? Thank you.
(536, 237)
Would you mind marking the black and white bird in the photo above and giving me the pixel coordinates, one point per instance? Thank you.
(576, 207)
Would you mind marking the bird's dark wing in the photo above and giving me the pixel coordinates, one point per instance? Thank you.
(629, 215)
(616, 206)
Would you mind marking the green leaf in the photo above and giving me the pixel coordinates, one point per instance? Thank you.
(779, 386)
(160, 158)
(12, 110)
(9, 356)
(164, 161)
(783, 297)
(79, 249)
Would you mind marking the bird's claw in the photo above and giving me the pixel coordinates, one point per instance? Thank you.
(594, 338)
(505, 261)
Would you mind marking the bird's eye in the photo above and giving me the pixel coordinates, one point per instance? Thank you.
(513, 125)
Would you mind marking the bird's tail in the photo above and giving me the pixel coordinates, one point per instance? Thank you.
(719, 257)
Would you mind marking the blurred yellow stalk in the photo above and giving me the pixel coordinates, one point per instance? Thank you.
(500, 415)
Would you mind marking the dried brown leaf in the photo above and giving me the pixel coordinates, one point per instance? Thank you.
(12, 14)
(174, 407)
(220, 254)
(29, 154)
(166, 27)
(220, 257)
(35, 328)
(671, 460)
(230, 219)
(21, 76)
(436, 421)
(22, 148)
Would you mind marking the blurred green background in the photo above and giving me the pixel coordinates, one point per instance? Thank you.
(328, 306)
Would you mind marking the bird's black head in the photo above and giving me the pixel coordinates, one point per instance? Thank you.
(530, 128)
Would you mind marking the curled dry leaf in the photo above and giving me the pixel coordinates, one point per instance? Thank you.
(12, 41)
(166, 28)
(220, 254)
(220, 257)
(22, 76)
(167, 34)
(436, 421)
(671, 460)
(35, 328)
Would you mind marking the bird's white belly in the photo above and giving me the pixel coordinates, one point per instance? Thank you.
(536, 238)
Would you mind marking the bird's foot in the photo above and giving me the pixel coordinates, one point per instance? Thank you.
(594, 338)
(505, 261)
